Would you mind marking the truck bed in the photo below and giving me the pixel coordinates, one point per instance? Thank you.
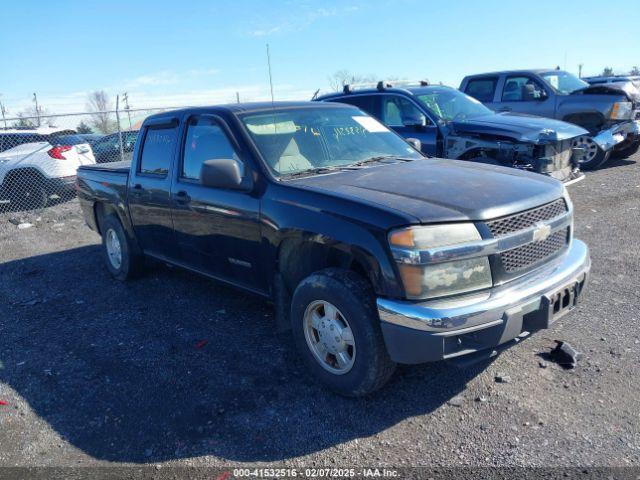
(117, 167)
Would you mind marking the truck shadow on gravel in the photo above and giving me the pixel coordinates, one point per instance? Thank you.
(173, 365)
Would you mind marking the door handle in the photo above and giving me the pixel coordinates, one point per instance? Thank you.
(137, 189)
(182, 197)
(504, 109)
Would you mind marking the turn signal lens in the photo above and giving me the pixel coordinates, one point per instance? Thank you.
(402, 238)
(432, 236)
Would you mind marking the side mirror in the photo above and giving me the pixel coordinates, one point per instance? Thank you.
(531, 93)
(224, 173)
(415, 143)
(414, 121)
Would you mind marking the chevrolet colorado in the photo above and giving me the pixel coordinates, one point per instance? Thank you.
(372, 254)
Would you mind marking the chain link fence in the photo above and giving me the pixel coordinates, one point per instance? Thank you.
(39, 156)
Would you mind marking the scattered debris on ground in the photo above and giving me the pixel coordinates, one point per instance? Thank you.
(502, 378)
(565, 355)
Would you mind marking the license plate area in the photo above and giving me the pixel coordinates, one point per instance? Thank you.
(562, 301)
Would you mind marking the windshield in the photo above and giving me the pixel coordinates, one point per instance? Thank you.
(564, 82)
(449, 104)
(308, 139)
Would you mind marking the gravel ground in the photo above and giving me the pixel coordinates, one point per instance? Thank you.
(178, 370)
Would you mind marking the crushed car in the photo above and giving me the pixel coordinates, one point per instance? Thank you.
(609, 111)
(630, 84)
(450, 124)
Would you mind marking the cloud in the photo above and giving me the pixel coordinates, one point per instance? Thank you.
(167, 78)
(299, 17)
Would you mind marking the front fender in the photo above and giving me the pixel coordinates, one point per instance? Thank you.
(367, 244)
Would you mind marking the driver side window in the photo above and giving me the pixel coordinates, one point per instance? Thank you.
(205, 140)
(522, 89)
(397, 111)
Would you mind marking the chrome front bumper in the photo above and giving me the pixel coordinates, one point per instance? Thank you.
(607, 139)
(417, 332)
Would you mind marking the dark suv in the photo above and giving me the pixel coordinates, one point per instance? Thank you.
(450, 124)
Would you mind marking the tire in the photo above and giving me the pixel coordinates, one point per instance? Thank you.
(121, 257)
(366, 365)
(594, 156)
(627, 151)
(27, 192)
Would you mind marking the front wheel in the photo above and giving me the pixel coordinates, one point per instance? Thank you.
(631, 149)
(593, 157)
(337, 332)
(121, 257)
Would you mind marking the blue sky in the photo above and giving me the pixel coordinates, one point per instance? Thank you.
(195, 52)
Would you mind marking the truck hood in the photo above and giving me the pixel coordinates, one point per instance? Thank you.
(626, 89)
(519, 127)
(439, 190)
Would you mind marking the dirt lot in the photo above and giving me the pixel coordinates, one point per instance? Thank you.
(96, 372)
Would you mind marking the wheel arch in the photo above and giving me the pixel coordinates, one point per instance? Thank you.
(592, 121)
(300, 255)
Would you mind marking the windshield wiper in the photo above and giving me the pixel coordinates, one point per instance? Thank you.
(310, 171)
(379, 158)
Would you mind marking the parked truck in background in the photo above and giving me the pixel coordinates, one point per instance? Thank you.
(373, 254)
(609, 112)
(450, 124)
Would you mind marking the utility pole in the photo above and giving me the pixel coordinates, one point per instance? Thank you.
(35, 99)
(4, 112)
(580, 65)
(119, 129)
(237, 97)
(125, 99)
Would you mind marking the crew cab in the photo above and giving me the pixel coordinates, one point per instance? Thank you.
(450, 124)
(39, 164)
(607, 111)
(373, 254)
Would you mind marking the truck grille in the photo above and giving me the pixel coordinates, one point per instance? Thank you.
(519, 221)
(535, 252)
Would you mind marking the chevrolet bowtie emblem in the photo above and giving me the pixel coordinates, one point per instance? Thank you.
(541, 232)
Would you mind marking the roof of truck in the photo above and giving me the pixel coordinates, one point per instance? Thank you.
(503, 72)
(237, 108)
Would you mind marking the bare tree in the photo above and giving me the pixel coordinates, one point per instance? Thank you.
(339, 79)
(607, 72)
(634, 71)
(99, 104)
(32, 118)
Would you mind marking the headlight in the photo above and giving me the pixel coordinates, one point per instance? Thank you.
(438, 279)
(621, 111)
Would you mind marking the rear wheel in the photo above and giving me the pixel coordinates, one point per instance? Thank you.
(337, 331)
(121, 257)
(593, 157)
(27, 192)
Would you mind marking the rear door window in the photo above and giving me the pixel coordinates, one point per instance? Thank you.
(482, 89)
(366, 103)
(157, 151)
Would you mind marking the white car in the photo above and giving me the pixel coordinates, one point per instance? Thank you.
(40, 164)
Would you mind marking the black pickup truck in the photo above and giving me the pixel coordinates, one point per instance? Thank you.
(373, 254)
